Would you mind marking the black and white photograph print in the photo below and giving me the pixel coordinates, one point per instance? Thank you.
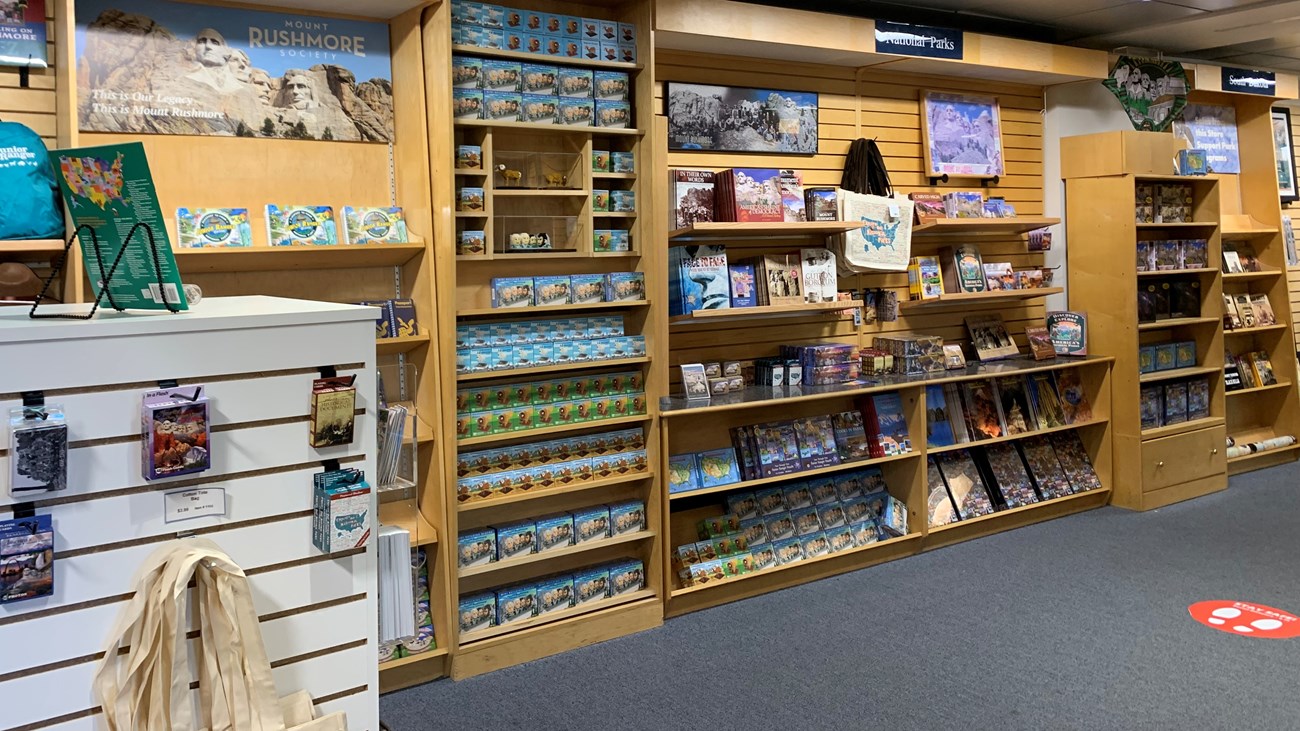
(737, 119)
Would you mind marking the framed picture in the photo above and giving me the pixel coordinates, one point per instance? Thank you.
(962, 135)
(737, 119)
(1285, 155)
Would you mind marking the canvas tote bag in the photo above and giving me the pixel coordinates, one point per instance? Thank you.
(884, 240)
(148, 687)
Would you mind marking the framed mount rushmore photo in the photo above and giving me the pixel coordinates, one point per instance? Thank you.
(961, 135)
(736, 119)
(158, 67)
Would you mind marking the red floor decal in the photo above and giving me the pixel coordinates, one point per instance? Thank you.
(1243, 618)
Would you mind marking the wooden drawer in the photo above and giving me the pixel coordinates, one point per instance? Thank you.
(1183, 458)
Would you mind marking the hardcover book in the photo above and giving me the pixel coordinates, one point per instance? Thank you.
(692, 194)
(891, 426)
(964, 484)
(821, 204)
(927, 207)
(698, 279)
(755, 194)
(793, 206)
(779, 279)
(820, 283)
(300, 225)
(990, 337)
(964, 268)
(1040, 342)
(850, 436)
(1068, 332)
(199, 228)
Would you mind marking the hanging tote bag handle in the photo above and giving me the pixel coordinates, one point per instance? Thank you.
(148, 686)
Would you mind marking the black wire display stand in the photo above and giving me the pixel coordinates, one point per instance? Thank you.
(104, 292)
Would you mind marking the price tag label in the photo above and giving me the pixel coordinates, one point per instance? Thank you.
(893, 210)
(191, 504)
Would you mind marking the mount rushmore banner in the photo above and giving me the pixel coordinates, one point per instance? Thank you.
(145, 66)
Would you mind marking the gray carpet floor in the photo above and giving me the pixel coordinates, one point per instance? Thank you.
(1078, 623)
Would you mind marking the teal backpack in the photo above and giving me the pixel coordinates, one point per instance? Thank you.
(29, 194)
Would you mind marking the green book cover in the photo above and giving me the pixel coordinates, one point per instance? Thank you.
(110, 189)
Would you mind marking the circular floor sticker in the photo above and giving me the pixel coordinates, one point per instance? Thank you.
(1243, 618)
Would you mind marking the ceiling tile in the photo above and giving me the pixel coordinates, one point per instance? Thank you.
(1132, 15)
(1037, 10)
(1222, 4)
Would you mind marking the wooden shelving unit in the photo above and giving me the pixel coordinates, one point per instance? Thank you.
(745, 313)
(984, 226)
(265, 258)
(1188, 459)
(1001, 296)
(31, 249)
(731, 230)
(568, 215)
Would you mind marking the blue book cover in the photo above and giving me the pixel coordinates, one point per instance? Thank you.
(682, 474)
(717, 467)
(698, 279)
(742, 285)
(938, 430)
(300, 225)
(892, 426)
(199, 228)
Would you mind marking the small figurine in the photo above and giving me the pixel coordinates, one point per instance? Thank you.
(556, 180)
(512, 177)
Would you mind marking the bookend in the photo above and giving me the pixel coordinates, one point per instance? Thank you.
(99, 257)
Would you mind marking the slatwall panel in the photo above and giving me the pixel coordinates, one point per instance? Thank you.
(884, 107)
(257, 358)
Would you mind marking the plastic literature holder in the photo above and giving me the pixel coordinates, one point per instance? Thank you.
(104, 292)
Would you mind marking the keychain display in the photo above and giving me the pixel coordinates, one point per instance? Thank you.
(333, 411)
(38, 441)
(176, 432)
(26, 558)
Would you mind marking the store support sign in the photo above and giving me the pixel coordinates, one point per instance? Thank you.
(1249, 81)
(906, 39)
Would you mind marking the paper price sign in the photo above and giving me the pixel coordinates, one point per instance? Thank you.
(190, 504)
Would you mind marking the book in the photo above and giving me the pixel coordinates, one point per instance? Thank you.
(793, 206)
(1040, 342)
(1184, 298)
(1151, 406)
(999, 276)
(404, 324)
(983, 410)
(752, 194)
(778, 449)
(717, 467)
(199, 228)
(1263, 311)
(1231, 373)
(964, 484)
(1262, 368)
(938, 428)
(742, 285)
(1198, 399)
(817, 447)
(963, 269)
(1050, 410)
(1231, 318)
(891, 426)
(779, 279)
(1068, 332)
(1040, 459)
(691, 192)
(1246, 309)
(1175, 403)
(683, 474)
(1245, 254)
(27, 552)
(1074, 401)
(821, 204)
(927, 207)
(940, 508)
(850, 436)
(300, 225)
(956, 413)
(374, 226)
(1074, 460)
(1010, 478)
(929, 278)
(989, 336)
(333, 407)
(698, 279)
(1016, 413)
(1231, 262)
(820, 283)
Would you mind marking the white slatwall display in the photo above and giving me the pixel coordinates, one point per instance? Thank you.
(257, 356)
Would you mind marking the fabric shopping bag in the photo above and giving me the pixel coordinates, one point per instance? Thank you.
(884, 240)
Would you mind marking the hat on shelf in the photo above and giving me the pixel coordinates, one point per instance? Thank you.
(19, 282)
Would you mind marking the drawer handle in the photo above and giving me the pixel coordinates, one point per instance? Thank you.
(1214, 451)
(1160, 464)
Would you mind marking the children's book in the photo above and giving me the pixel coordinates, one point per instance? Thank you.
(300, 225)
(374, 226)
(199, 228)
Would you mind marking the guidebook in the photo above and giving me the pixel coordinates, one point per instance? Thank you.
(110, 189)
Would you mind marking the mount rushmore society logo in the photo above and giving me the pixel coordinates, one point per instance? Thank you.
(145, 66)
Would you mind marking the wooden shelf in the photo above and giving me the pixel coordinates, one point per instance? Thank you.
(740, 313)
(987, 226)
(527, 255)
(281, 258)
(468, 638)
(538, 193)
(1246, 234)
(432, 653)
(1169, 272)
(404, 514)
(1185, 224)
(31, 249)
(805, 474)
(1186, 426)
(472, 214)
(1002, 514)
(734, 580)
(735, 230)
(1156, 376)
(1257, 389)
(1176, 178)
(548, 128)
(393, 346)
(543, 58)
(614, 214)
(472, 172)
(524, 311)
(543, 493)
(1265, 453)
(957, 299)
(1178, 322)
(1252, 330)
(533, 558)
(564, 428)
(1251, 276)
(1014, 437)
(613, 176)
(521, 372)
